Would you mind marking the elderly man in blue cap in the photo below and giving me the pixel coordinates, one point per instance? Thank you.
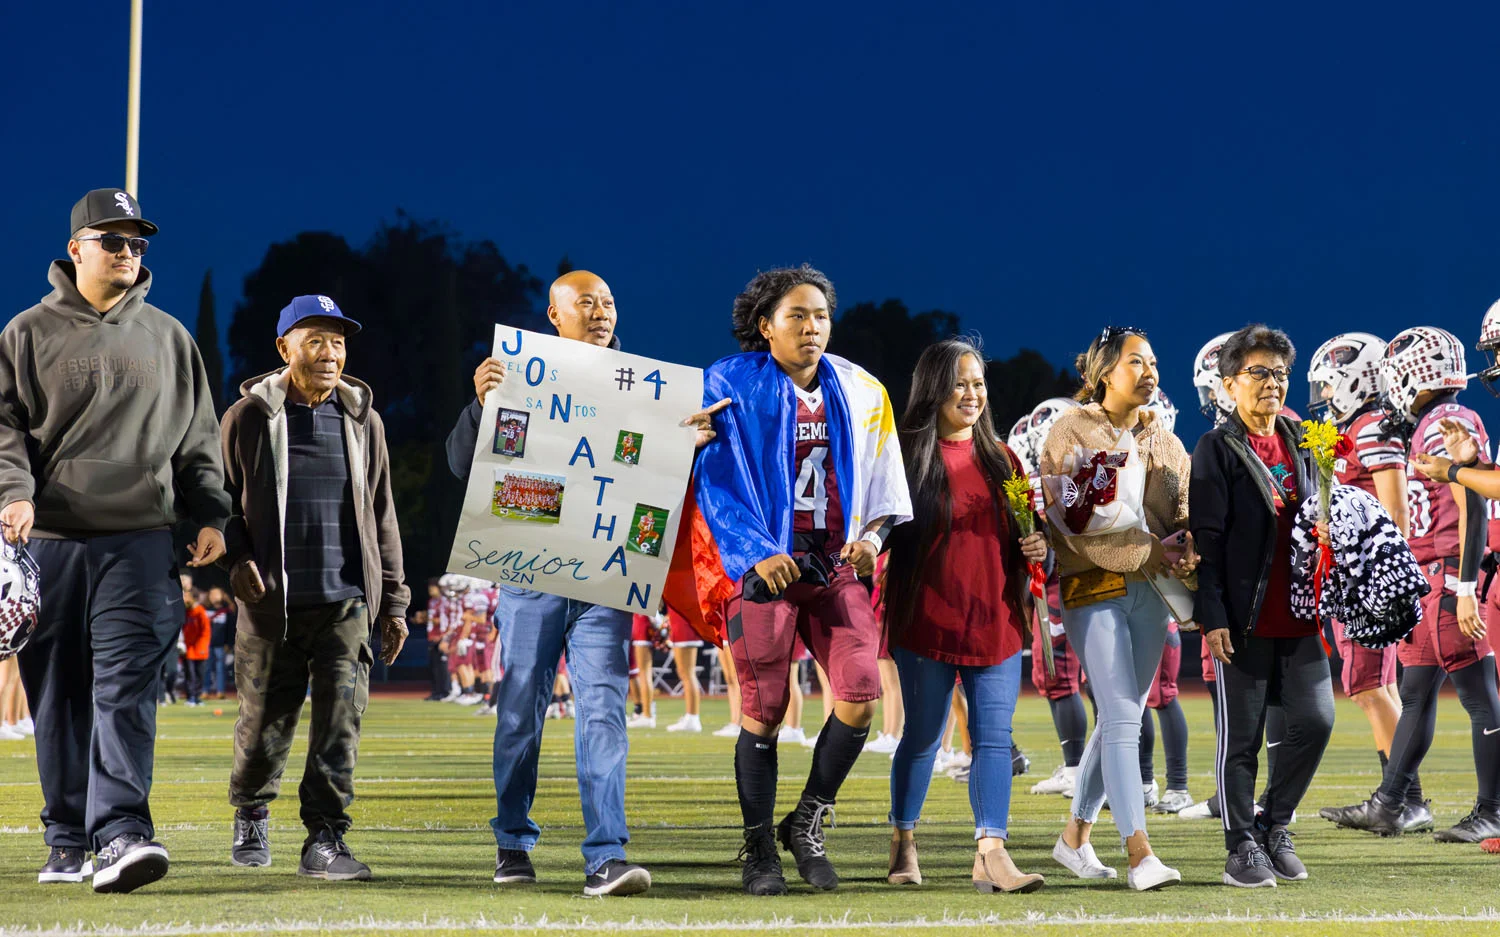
(315, 561)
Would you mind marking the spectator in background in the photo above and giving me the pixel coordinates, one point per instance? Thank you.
(432, 620)
(15, 718)
(221, 619)
(196, 633)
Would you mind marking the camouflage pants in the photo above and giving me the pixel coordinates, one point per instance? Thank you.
(329, 646)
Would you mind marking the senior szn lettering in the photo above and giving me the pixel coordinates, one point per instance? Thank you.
(108, 371)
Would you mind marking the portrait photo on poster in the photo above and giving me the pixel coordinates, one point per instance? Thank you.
(520, 496)
(646, 529)
(628, 447)
(510, 433)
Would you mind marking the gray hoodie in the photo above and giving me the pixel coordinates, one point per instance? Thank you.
(106, 422)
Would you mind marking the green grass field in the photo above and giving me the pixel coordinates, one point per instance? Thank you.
(425, 798)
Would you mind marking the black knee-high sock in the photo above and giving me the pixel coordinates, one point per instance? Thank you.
(755, 778)
(1414, 731)
(1476, 690)
(838, 748)
(1174, 742)
(1148, 747)
(1072, 724)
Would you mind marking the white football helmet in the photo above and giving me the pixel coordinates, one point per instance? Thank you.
(1489, 342)
(1419, 359)
(1042, 418)
(1019, 442)
(1344, 374)
(1214, 401)
(1165, 410)
(20, 597)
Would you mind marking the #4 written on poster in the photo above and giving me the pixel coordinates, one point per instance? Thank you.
(580, 471)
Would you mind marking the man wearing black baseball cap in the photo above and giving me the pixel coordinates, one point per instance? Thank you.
(107, 438)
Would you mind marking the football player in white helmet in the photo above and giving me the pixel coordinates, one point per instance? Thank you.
(1489, 341)
(1214, 401)
(1042, 418)
(1019, 442)
(1165, 410)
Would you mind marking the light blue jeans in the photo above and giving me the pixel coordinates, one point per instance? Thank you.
(535, 629)
(1120, 643)
(927, 688)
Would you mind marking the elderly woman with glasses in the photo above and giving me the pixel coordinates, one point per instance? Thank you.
(1249, 479)
(1116, 483)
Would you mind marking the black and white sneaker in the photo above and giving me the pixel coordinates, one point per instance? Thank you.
(1019, 763)
(801, 834)
(1277, 843)
(513, 867)
(66, 864)
(252, 839)
(326, 856)
(1249, 867)
(617, 877)
(1481, 824)
(127, 862)
(761, 874)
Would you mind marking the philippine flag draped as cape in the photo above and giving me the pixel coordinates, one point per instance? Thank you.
(739, 508)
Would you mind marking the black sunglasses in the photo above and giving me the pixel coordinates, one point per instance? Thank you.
(1111, 332)
(114, 243)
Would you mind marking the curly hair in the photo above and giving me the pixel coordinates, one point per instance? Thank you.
(759, 298)
(1256, 337)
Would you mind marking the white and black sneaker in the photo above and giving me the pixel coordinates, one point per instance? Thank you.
(66, 864)
(252, 838)
(128, 862)
(513, 867)
(1249, 867)
(617, 877)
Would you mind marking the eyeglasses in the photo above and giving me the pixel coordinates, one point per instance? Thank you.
(1111, 332)
(1259, 373)
(114, 243)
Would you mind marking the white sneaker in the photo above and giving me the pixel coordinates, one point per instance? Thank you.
(1198, 811)
(789, 735)
(485, 710)
(1152, 874)
(1082, 862)
(1174, 802)
(811, 741)
(568, 710)
(10, 733)
(884, 744)
(1064, 779)
(554, 711)
(688, 723)
(27, 726)
(469, 699)
(960, 759)
(941, 762)
(729, 731)
(1152, 792)
(642, 721)
(453, 695)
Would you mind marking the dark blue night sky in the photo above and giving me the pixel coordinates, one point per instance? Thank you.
(1040, 169)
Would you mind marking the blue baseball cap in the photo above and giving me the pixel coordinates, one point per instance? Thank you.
(313, 307)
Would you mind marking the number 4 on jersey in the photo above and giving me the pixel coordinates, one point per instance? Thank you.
(812, 487)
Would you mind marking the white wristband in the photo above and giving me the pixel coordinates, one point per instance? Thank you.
(1468, 589)
(873, 538)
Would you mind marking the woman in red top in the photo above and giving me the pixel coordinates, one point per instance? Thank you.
(956, 606)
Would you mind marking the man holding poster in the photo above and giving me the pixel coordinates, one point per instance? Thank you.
(519, 486)
(796, 496)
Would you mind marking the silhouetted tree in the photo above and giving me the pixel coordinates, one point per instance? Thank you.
(886, 340)
(206, 332)
(1018, 383)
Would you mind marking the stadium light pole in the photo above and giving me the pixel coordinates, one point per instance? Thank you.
(133, 106)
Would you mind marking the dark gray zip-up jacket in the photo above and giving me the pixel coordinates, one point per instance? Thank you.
(106, 422)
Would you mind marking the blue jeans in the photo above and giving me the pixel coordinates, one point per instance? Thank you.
(216, 682)
(535, 629)
(926, 688)
(1119, 642)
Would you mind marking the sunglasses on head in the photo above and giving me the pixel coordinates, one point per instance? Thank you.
(114, 243)
(1111, 332)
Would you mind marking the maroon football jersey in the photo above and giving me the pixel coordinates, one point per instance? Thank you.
(1434, 514)
(1375, 449)
(815, 492)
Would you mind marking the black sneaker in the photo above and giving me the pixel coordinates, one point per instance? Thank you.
(66, 864)
(617, 877)
(1019, 763)
(252, 840)
(127, 862)
(801, 834)
(1417, 818)
(1249, 867)
(513, 867)
(326, 856)
(1277, 843)
(1479, 825)
(1372, 816)
(762, 872)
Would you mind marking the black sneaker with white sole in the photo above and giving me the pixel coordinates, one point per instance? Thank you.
(326, 856)
(65, 864)
(1249, 867)
(252, 838)
(1277, 843)
(513, 867)
(617, 877)
(801, 834)
(128, 862)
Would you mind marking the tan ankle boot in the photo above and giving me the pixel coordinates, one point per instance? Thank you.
(904, 869)
(994, 871)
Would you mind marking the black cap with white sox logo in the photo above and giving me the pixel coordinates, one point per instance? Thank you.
(102, 206)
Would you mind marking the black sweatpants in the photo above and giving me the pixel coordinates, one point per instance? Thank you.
(1264, 671)
(111, 610)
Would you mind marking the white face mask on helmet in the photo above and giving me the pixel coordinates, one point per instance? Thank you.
(1344, 374)
(1042, 417)
(20, 597)
(1489, 342)
(1019, 442)
(1165, 410)
(1214, 401)
(1421, 359)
